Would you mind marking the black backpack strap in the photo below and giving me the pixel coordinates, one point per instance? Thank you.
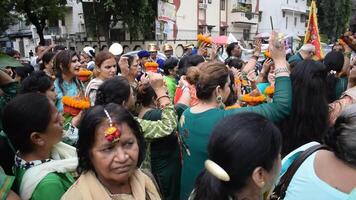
(283, 184)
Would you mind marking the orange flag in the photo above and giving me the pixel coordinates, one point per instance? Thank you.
(312, 33)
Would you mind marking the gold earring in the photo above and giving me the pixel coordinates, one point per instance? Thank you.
(219, 100)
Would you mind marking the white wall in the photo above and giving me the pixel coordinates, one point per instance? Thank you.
(72, 18)
(274, 9)
(187, 20)
(212, 16)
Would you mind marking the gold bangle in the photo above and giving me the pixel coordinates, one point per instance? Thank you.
(281, 70)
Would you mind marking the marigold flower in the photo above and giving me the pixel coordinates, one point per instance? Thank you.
(269, 91)
(151, 66)
(253, 100)
(202, 38)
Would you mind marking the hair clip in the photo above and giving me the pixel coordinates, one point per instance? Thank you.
(216, 170)
(112, 133)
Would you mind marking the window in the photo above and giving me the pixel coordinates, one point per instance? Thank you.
(222, 31)
(287, 1)
(246, 34)
(209, 1)
(284, 14)
(295, 21)
(286, 22)
(222, 4)
(260, 16)
(201, 29)
(201, 1)
(210, 28)
(296, 1)
(302, 18)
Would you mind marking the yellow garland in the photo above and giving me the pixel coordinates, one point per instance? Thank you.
(232, 107)
(76, 102)
(267, 54)
(202, 38)
(242, 82)
(253, 99)
(269, 90)
(85, 72)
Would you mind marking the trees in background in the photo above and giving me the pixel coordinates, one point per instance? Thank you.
(334, 17)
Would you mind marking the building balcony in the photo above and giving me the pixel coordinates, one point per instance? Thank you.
(52, 31)
(244, 1)
(244, 17)
(296, 9)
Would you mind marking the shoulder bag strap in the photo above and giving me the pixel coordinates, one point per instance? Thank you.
(283, 184)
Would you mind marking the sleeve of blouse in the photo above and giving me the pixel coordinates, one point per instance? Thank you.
(160, 128)
(5, 184)
(281, 106)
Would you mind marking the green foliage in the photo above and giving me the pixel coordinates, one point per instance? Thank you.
(37, 12)
(7, 18)
(334, 17)
(138, 16)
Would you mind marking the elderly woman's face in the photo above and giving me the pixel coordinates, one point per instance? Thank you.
(114, 162)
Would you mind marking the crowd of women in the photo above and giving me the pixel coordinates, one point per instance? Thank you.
(198, 129)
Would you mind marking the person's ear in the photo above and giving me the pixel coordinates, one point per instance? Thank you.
(37, 139)
(123, 104)
(218, 90)
(259, 177)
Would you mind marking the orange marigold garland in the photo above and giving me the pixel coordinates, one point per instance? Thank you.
(253, 98)
(73, 105)
(269, 91)
(84, 74)
(151, 66)
(203, 39)
(232, 107)
(267, 54)
(243, 82)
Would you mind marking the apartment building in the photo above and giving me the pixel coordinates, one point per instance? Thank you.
(243, 18)
(288, 16)
(218, 17)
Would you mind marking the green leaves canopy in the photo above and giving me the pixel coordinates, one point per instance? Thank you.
(39, 12)
(138, 16)
(7, 18)
(334, 17)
